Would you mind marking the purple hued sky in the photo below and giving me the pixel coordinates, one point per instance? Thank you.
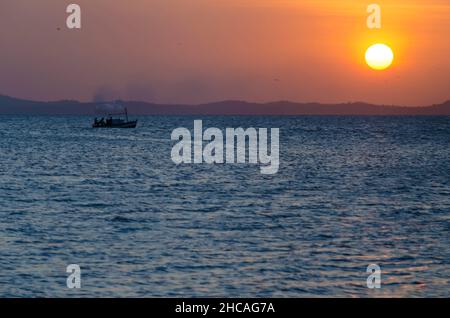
(178, 51)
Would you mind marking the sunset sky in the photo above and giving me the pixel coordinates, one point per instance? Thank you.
(195, 51)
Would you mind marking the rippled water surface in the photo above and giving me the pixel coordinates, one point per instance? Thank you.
(351, 191)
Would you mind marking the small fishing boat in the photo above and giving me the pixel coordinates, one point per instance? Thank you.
(111, 122)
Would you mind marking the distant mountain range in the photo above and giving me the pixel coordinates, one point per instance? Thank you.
(10, 105)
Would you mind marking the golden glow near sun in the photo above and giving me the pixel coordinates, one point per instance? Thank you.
(379, 56)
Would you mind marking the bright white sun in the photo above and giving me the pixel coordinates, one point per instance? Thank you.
(379, 56)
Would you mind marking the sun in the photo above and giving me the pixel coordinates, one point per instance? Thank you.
(379, 57)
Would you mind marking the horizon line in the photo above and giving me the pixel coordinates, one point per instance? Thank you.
(220, 101)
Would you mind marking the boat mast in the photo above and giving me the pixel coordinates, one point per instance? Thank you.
(126, 113)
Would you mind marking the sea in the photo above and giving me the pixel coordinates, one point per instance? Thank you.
(350, 192)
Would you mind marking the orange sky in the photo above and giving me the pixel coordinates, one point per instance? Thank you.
(180, 51)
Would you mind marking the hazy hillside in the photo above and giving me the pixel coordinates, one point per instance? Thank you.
(9, 105)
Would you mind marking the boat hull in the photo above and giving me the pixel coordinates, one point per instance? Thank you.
(129, 124)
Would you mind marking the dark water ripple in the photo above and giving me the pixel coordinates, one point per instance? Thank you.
(351, 191)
